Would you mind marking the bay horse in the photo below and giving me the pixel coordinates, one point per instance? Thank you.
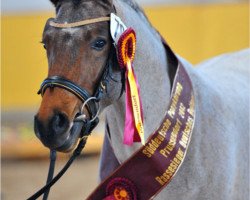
(217, 161)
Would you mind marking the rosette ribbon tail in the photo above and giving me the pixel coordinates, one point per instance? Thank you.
(133, 130)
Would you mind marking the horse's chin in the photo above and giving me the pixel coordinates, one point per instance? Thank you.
(73, 136)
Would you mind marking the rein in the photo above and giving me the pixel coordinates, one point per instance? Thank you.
(50, 180)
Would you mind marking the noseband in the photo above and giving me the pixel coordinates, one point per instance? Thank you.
(90, 102)
(82, 94)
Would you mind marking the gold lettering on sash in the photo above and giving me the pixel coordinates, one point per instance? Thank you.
(172, 141)
(182, 110)
(172, 168)
(186, 113)
(185, 134)
(152, 146)
(165, 128)
(175, 99)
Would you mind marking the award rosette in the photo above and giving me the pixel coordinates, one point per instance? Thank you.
(121, 189)
(133, 129)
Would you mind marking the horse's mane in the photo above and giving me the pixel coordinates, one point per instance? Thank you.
(134, 5)
(172, 58)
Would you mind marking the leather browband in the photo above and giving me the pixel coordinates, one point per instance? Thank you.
(80, 23)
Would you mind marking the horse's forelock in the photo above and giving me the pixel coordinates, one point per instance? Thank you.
(77, 4)
(105, 3)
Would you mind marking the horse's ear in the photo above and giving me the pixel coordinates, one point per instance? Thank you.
(54, 2)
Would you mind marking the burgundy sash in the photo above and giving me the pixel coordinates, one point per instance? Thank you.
(153, 166)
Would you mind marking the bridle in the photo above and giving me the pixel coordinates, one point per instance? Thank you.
(91, 102)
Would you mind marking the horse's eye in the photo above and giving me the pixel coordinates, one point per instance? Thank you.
(99, 44)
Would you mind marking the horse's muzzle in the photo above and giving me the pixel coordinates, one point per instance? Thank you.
(57, 132)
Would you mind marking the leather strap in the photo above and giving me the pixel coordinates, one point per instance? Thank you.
(80, 23)
(82, 94)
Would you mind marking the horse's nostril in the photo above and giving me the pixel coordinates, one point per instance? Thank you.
(59, 123)
(59, 120)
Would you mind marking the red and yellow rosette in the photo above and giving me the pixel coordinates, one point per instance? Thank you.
(121, 189)
(133, 130)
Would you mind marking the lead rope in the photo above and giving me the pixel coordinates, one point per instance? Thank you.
(51, 172)
(50, 182)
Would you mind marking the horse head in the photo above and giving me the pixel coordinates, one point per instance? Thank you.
(78, 57)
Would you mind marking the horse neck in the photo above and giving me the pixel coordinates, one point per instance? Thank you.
(151, 69)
